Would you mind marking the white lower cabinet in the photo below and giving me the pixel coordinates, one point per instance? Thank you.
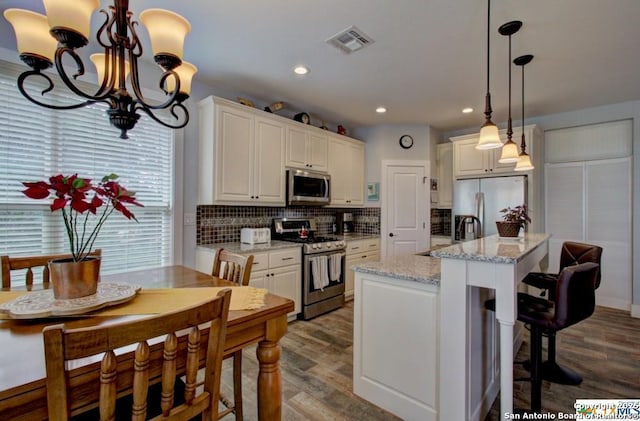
(359, 251)
(396, 347)
(395, 356)
(278, 271)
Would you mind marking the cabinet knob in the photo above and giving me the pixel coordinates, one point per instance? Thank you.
(486, 170)
(490, 169)
(252, 197)
(390, 234)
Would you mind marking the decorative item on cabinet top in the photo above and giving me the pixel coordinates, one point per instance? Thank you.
(302, 118)
(276, 106)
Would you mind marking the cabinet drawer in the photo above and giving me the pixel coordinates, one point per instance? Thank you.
(360, 246)
(260, 262)
(285, 257)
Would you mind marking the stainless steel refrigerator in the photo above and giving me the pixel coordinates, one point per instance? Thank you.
(480, 200)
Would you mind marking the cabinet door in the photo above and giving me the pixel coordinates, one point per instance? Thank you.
(355, 193)
(445, 175)
(317, 152)
(468, 160)
(296, 147)
(234, 155)
(338, 169)
(269, 184)
(287, 282)
(259, 279)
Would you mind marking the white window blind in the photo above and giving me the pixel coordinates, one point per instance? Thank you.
(37, 142)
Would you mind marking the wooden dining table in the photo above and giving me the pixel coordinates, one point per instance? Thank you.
(22, 363)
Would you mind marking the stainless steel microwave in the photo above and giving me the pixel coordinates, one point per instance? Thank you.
(308, 188)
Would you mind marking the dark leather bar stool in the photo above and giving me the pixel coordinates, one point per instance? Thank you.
(572, 253)
(574, 291)
(575, 300)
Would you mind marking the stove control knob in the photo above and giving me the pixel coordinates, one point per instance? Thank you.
(314, 246)
(329, 245)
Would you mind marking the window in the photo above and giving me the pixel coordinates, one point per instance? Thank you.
(37, 142)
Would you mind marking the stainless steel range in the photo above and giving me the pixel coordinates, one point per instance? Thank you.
(323, 264)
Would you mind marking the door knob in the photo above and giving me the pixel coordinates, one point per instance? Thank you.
(390, 234)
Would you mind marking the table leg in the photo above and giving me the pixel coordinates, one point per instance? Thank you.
(269, 380)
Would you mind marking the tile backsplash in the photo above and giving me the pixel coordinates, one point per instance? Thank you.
(441, 222)
(220, 224)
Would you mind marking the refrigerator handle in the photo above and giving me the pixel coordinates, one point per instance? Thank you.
(480, 213)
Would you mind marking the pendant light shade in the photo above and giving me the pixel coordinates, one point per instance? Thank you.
(489, 137)
(524, 160)
(509, 149)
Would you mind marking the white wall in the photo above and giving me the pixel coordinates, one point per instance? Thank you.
(382, 142)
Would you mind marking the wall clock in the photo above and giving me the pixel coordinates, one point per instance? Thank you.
(406, 141)
(302, 118)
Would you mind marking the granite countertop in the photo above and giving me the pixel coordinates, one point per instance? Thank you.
(493, 249)
(423, 269)
(237, 247)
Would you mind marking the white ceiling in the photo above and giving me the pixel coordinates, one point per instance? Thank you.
(427, 63)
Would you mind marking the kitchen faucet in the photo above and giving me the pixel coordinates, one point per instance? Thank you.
(477, 230)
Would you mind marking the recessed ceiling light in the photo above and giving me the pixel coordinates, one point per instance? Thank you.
(467, 110)
(381, 110)
(301, 70)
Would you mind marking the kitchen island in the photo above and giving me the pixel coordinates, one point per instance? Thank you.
(424, 346)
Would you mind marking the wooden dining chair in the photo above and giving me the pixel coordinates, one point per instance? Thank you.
(30, 262)
(132, 373)
(237, 269)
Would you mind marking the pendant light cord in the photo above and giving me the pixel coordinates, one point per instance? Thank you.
(487, 100)
(523, 144)
(488, 43)
(509, 125)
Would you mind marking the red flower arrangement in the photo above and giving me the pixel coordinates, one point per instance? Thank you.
(72, 198)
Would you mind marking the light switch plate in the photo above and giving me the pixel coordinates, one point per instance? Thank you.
(189, 219)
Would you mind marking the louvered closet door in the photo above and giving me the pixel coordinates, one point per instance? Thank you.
(564, 199)
(608, 224)
(591, 202)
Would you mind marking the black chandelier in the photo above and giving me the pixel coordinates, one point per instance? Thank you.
(45, 40)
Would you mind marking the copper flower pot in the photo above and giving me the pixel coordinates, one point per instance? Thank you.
(74, 279)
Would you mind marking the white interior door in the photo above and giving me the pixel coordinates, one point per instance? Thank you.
(405, 207)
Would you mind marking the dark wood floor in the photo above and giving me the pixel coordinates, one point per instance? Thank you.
(316, 366)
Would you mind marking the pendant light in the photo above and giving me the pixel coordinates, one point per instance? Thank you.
(509, 149)
(489, 137)
(524, 161)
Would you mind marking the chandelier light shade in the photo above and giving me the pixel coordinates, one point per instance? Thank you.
(71, 16)
(53, 39)
(524, 160)
(489, 137)
(32, 34)
(509, 149)
(185, 73)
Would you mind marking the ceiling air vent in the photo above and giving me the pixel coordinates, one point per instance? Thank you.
(350, 40)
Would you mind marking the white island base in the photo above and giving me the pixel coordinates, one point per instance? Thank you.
(425, 348)
(397, 335)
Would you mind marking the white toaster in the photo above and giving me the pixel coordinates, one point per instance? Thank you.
(255, 235)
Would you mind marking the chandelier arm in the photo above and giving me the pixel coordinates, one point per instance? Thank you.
(135, 47)
(67, 81)
(173, 98)
(106, 28)
(149, 112)
(20, 83)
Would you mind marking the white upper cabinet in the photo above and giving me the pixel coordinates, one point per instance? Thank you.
(445, 175)
(346, 167)
(306, 149)
(241, 155)
(471, 162)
